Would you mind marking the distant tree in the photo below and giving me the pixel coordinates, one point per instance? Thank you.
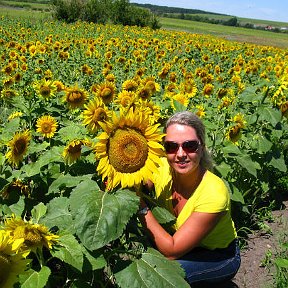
(231, 22)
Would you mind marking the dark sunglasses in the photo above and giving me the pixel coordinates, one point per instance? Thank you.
(190, 146)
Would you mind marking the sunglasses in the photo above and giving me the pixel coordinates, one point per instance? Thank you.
(190, 146)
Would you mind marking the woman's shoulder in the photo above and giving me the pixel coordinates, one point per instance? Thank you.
(214, 182)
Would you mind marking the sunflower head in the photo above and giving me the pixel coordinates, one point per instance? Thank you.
(72, 151)
(75, 97)
(34, 235)
(18, 147)
(234, 134)
(12, 261)
(129, 149)
(106, 91)
(45, 89)
(47, 125)
(94, 113)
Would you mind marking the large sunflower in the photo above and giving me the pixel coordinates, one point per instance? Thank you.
(18, 147)
(34, 235)
(12, 262)
(47, 125)
(129, 149)
(95, 111)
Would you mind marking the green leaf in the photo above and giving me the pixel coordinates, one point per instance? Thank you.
(270, 115)
(100, 217)
(53, 155)
(95, 259)
(236, 195)
(36, 147)
(38, 211)
(223, 168)
(281, 262)
(262, 144)
(18, 207)
(279, 163)
(71, 132)
(69, 250)
(162, 215)
(246, 162)
(152, 268)
(64, 181)
(37, 279)
(58, 214)
(231, 150)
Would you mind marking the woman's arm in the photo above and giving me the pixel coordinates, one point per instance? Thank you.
(189, 235)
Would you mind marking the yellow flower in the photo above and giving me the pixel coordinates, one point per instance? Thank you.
(130, 85)
(239, 119)
(125, 98)
(234, 134)
(129, 149)
(18, 147)
(181, 98)
(47, 125)
(200, 111)
(95, 112)
(45, 89)
(72, 151)
(14, 115)
(106, 91)
(12, 261)
(75, 97)
(34, 235)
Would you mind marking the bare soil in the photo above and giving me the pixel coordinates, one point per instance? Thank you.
(256, 270)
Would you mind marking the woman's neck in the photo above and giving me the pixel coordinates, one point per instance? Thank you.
(186, 184)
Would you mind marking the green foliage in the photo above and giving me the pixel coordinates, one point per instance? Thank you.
(112, 11)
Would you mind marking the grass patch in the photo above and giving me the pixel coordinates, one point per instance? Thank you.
(240, 34)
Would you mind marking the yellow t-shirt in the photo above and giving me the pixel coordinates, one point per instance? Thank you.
(211, 196)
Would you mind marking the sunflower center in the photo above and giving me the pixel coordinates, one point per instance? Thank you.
(46, 127)
(128, 150)
(106, 92)
(20, 146)
(5, 267)
(45, 91)
(74, 149)
(99, 115)
(75, 97)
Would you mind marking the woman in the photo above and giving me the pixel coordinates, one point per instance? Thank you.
(204, 237)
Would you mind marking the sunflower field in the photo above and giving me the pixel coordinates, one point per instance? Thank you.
(81, 128)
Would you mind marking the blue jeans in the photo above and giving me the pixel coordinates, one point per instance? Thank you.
(203, 265)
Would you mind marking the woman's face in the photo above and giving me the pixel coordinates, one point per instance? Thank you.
(183, 162)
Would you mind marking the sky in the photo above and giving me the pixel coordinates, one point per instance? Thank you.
(274, 10)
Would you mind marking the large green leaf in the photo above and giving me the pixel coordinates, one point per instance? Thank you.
(223, 168)
(36, 279)
(279, 163)
(95, 259)
(66, 181)
(262, 144)
(100, 217)
(151, 270)
(246, 162)
(58, 214)
(53, 155)
(231, 150)
(270, 115)
(69, 251)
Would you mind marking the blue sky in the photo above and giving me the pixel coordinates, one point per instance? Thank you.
(274, 10)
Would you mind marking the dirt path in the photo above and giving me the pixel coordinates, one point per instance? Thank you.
(251, 273)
